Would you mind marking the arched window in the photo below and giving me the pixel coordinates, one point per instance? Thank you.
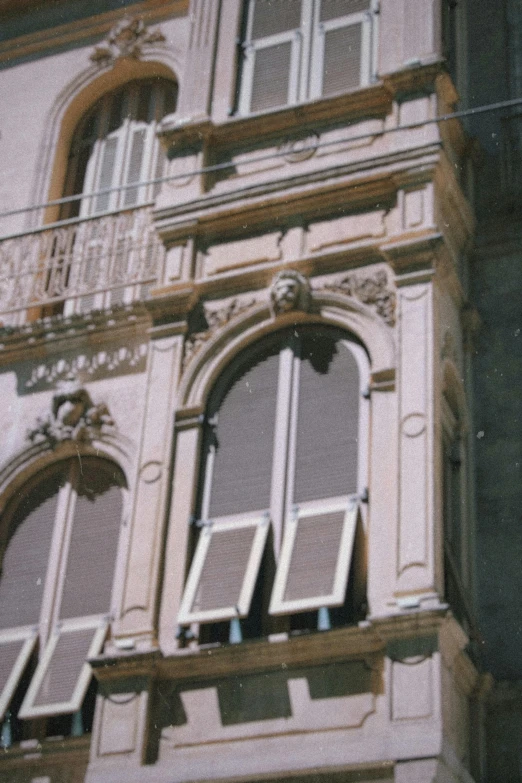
(115, 145)
(284, 462)
(58, 547)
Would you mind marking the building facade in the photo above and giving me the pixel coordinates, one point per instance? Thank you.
(242, 498)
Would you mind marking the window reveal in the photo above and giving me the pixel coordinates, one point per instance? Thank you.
(284, 462)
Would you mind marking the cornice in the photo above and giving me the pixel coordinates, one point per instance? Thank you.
(57, 333)
(44, 42)
(368, 639)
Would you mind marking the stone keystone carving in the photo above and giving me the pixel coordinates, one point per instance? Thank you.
(73, 416)
(290, 290)
(126, 39)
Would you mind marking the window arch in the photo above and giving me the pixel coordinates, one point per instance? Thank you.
(283, 466)
(58, 549)
(115, 145)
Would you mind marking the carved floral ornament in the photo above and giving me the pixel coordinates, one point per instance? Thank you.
(127, 38)
(291, 291)
(73, 416)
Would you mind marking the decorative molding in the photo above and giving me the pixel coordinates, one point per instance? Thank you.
(216, 320)
(290, 290)
(73, 416)
(126, 39)
(298, 150)
(374, 290)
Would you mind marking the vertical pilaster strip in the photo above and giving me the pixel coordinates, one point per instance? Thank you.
(148, 517)
(415, 539)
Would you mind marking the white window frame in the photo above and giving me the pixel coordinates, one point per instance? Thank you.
(28, 637)
(278, 604)
(306, 63)
(209, 529)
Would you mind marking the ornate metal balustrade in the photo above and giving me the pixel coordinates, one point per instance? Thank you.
(80, 266)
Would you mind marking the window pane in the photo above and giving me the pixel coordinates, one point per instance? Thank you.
(275, 16)
(244, 441)
(314, 556)
(24, 565)
(333, 9)
(342, 60)
(271, 77)
(94, 544)
(328, 420)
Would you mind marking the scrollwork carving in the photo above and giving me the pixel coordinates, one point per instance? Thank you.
(216, 320)
(73, 416)
(374, 290)
(126, 39)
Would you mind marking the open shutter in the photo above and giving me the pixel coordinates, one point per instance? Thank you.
(224, 570)
(106, 173)
(315, 557)
(16, 648)
(63, 675)
(130, 196)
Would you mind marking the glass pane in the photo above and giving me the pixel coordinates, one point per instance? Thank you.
(271, 77)
(342, 60)
(327, 421)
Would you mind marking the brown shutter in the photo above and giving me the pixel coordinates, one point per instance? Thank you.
(275, 16)
(24, 564)
(244, 441)
(224, 571)
(62, 677)
(106, 174)
(333, 9)
(342, 59)
(327, 421)
(94, 543)
(271, 77)
(315, 558)
(134, 169)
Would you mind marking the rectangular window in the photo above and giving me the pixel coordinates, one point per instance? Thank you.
(306, 49)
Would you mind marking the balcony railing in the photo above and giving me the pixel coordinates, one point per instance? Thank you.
(79, 265)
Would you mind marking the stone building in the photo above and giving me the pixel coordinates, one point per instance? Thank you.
(245, 518)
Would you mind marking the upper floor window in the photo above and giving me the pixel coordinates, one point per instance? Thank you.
(115, 145)
(298, 50)
(58, 547)
(283, 467)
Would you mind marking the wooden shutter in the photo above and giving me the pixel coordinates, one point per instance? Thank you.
(333, 9)
(62, 677)
(224, 570)
(342, 68)
(24, 563)
(271, 78)
(315, 557)
(134, 166)
(239, 462)
(93, 546)
(326, 442)
(15, 650)
(271, 18)
(106, 173)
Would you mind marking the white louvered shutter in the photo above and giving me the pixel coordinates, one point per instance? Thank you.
(341, 49)
(224, 570)
(16, 648)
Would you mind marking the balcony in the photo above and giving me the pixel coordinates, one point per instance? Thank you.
(79, 265)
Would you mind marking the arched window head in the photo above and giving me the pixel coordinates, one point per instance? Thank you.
(283, 468)
(58, 549)
(115, 145)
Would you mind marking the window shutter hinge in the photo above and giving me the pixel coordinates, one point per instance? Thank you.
(365, 495)
(366, 393)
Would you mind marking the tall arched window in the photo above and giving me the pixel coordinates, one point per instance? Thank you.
(285, 462)
(115, 145)
(58, 547)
